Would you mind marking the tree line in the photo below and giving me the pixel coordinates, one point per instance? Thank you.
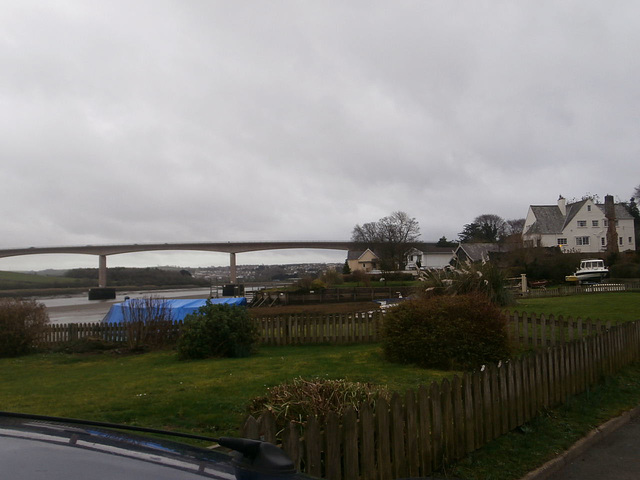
(124, 276)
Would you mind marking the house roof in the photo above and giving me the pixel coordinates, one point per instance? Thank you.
(621, 212)
(431, 248)
(479, 251)
(356, 254)
(549, 219)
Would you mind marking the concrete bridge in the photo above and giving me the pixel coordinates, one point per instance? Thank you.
(233, 248)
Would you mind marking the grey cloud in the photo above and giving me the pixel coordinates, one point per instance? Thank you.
(190, 121)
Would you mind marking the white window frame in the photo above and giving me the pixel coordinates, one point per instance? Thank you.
(582, 241)
(582, 223)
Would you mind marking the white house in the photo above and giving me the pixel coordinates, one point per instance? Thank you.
(577, 227)
(428, 256)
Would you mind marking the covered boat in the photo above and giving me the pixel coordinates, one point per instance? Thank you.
(590, 271)
(179, 308)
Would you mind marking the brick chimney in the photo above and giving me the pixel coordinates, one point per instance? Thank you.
(612, 232)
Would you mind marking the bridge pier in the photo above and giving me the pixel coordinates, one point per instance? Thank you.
(102, 271)
(232, 264)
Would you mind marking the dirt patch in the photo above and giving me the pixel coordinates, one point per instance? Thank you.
(326, 308)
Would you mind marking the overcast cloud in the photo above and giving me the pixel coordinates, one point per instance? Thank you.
(188, 121)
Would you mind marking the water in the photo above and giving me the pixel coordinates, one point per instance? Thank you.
(79, 309)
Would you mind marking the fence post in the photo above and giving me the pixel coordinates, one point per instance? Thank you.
(350, 428)
(367, 435)
(291, 443)
(436, 424)
(469, 420)
(458, 418)
(384, 445)
(333, 449)
(398, 432)
(424, 429)
(413, 460)
(312, 447)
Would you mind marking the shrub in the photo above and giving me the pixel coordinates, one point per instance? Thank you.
(625, 270)
(462, 332)
(331, 277)
(218, 331)
(148, 322)
(473, 278)
(360, 277)
(21, 323)
(302, 398)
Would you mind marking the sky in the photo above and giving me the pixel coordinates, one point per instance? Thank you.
(153, 121)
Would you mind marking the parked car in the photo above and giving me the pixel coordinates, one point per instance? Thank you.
(37, 447)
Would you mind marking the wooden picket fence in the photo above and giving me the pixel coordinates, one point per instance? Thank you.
(543, 331)
(297, 329)
(363, 327)
(304, 329)
(581, 289)
(420, 432)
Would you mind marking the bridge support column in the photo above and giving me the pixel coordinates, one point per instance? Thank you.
(102, 271)
(233, 275)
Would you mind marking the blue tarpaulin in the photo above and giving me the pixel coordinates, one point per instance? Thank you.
(179, 308)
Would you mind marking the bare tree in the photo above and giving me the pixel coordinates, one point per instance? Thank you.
(390, 237)
(514, 227)
(149, 322)
(636, 193)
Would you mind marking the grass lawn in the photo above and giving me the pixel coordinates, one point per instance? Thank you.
(615, 307)
(206, 396)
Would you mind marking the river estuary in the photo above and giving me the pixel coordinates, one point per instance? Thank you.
(78, 309)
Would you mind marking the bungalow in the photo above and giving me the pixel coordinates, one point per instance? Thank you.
(428, 256)
(579, 226)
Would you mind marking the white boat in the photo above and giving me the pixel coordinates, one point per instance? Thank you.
(590, 271)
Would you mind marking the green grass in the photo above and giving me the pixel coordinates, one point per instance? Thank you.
(615, 307)
(207, 397)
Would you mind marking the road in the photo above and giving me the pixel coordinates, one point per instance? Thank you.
(616, 456)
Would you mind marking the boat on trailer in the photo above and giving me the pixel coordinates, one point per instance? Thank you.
(590, 271)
